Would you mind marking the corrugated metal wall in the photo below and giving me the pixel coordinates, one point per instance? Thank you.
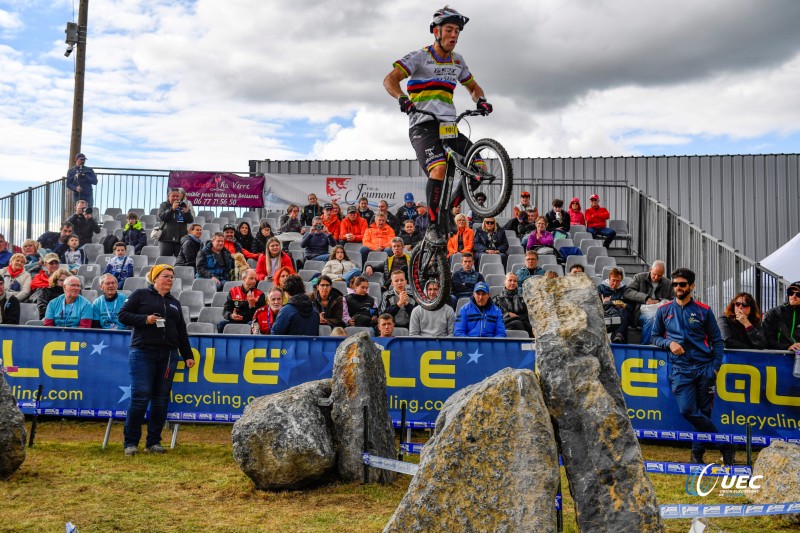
(751, 202)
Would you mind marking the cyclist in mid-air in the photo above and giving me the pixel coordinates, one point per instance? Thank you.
(434, 70)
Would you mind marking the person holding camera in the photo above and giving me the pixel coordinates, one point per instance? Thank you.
(80, 179)
(158, 335)
(317, 241)
(83, 222)
(175, 216)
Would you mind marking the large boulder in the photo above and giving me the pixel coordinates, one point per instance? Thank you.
(581, 388)
(12, 431)
(779, 464)
(359, 380)
(491, 465)
(285, 440)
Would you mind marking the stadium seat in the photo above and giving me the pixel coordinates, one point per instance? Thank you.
(494, 290)
(314, 265)
(150, 252)
(185, 311)
(376, 277)
(516, 334)
(165, 260)
(212, 315)
(461, 303)
(89, 294)
(212, 227)
(576, 228)
(112, 211)
(375, 291)
(207, 286)
(514, 267)
(603, 261)
(514, 249)
(585, 244)
(131, 284)
(111, 225)
(376, 258)
(400, 332)
(219, 299)
(324, 330)
(594, 252)
(102, 260)
(492, 268)
(220, 221)
(547, 259)
(512, 259)
(92, 250)
(554, 268)
(237, 329)
(148, 221)
(230, 215)
(455, 259)
(307, 274)
(34, 322)
(341, 286)
(607, 269)
(207, 214)
(560, 243)
(186, 273)
(205, 235)
(352, 248)
(495, 279)
(192, 300)
(28, 311)
(264, 286)
(580, 236)
(90, 270)
(576, 260)
(201, 327)
(199, 220)
(491, 258)
(229, 285)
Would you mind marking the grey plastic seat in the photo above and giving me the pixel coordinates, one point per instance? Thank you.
(92, 250)
(400, 332)
(314, 265)
(324, 330)
(560, 243)
(131, 284)
(576, 228)
(576, 260)
(603, 261)
(492, 268)
(554, 268)
(90, 270)
(495, 279)
(103, 259)
(237, 329)
(219, 299)
(34, 322)
(27, 312)
(490, 258)
(207, 286)
(150, 252)
(352, 330)
(194, 301)
(547, 259)
(186, 273)
(212, 315)
(264, 286)
(517, 334)
(200, 327)
(166, 260)
(607, 269)
(89, 294)
(594, 252)
(229, 285)
(461, 303)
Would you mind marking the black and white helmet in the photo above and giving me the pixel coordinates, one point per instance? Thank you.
(448, 15)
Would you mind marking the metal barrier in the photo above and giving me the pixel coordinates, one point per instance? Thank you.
(657, 232)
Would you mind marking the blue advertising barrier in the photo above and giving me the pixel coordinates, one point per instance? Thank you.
(85, 373)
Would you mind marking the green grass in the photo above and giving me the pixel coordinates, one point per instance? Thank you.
(198, 486)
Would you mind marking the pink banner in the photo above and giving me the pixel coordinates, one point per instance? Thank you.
(220, 189)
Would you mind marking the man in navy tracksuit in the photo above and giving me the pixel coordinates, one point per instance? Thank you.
(689, 331)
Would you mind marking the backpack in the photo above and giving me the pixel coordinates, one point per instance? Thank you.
(566, 251)
(108, 244)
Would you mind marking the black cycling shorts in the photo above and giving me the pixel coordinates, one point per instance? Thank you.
(428, 146)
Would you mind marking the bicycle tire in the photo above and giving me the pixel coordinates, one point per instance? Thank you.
(497, 177)
(420, 274)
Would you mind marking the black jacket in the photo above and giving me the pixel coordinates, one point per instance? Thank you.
(511, 303)
(188, 253)
(135, 236)
(738, 338)
(297, 317)
(333, 311)
(777, 327)
(84, 228)
(172, 230)
(309, 212)
(144, 302)
(43, 297)
(9, 310)
(554, 224)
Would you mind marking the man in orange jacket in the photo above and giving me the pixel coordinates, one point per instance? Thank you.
(352, 228)
(331, 221)
(377, 238)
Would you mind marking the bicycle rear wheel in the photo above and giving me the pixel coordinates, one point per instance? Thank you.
(427, 265)
(493, 177)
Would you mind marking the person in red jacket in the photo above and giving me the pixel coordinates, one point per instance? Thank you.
(596, 218)
(352, 228)
(275, 258)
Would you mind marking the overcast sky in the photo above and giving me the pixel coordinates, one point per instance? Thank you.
(211, 84)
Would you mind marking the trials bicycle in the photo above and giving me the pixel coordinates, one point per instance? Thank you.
(484, 168)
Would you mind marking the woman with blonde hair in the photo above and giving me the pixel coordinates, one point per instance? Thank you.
(34, 255)
(17, 279)
(54, 289)
(272, 259)
(463, 239)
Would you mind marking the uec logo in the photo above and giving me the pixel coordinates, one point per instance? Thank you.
(697, 485)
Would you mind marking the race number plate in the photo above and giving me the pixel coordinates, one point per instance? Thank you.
(448, 130)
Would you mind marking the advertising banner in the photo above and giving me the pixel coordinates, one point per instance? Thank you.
(283, 189)
(85, 373)
(220, 189)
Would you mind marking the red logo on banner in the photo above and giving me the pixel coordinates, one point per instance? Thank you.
(336, 187)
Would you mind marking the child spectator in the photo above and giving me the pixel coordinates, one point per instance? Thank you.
(134, 233)
(73, 256)
(120, 266)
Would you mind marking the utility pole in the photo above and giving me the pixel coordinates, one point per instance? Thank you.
(76, 37)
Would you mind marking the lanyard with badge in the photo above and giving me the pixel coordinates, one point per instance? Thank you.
(111, 316)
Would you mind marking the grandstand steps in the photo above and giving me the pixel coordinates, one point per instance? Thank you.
(630, 263)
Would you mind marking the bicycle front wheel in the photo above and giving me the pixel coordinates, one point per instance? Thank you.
(429, 265)
(493, 176)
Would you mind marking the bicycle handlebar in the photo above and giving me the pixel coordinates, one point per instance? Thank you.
(467, 113)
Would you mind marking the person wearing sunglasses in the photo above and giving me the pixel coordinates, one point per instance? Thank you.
(782, 323)
(741, 324)
(688, 330)
(490, 240)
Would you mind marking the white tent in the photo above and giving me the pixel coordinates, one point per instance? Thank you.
(785, 261)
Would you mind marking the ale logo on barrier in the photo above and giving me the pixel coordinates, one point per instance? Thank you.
(703, 482)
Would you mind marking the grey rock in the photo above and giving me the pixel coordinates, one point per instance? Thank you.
(13, 434)
(779, 464)
(285, 440)
(491, 465)
(601, 454)
(359, 380)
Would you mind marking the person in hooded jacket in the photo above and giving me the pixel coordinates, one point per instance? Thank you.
(260, 239)
(480, 317)
(575, 214)
(133, 234)
(244, 236)
(329, 303)
(612, 293)
(782, 322)
(190, 246)
(515, 311)
(214, 261)
(297, 317)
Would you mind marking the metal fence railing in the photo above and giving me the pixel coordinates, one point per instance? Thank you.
(28, 213)
(659, 233)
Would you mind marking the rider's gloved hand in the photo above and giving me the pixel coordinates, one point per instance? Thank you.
(406, 105)
(483, 105)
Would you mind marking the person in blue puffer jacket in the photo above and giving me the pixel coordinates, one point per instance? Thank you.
(480, 317)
